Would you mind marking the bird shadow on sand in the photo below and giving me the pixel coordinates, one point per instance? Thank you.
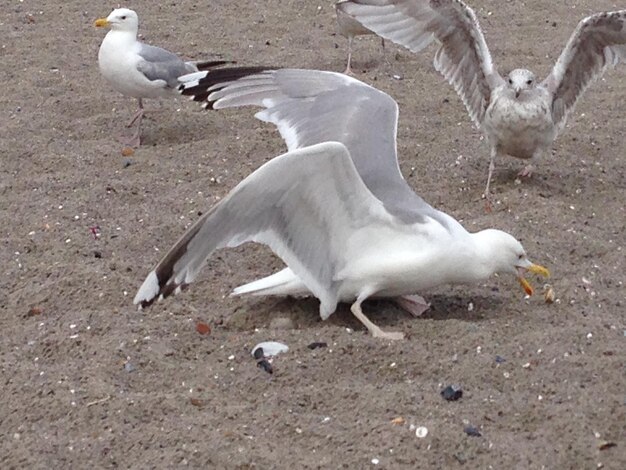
(165, 127)
(304, 313)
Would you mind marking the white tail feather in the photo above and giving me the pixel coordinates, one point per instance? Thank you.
(283, 282)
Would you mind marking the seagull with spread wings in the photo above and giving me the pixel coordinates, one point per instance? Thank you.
(136, 69)
(335, 208)
(519, 115)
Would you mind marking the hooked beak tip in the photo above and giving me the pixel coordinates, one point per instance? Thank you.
(535, 269)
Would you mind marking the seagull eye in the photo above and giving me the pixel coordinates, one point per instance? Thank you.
(529, 82)
(520, 257)
(124, 17)
(510, 82)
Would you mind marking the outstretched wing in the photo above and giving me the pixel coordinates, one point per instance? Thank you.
(310, 107)
(304, 204)
(462, 58)
(599, 41)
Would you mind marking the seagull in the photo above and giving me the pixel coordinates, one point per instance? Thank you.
(519, 115)
(335, 208)
(136, 69)
(349, 28)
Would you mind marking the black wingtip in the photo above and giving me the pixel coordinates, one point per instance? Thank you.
(211, 64)
(216, 80)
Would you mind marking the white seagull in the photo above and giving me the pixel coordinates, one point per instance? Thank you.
(519, 115)
(335, 208)
(136, 69)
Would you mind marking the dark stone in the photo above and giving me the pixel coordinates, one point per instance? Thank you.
(452, 393)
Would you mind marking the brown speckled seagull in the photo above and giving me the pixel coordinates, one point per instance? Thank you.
(519, 115)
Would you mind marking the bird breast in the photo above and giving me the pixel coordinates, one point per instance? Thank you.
(118, 58)
(520, 126)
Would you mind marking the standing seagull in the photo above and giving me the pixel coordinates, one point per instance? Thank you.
(136, 69)
(335, 208)
(519, 116)
(349, 28)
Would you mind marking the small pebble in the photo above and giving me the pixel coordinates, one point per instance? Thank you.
(128, 162)
(603, 445)
(317, 344)
(421, 432)
(452, 393)
(500, 360)
(261, 362)
(128, 367)
(203, 328)
(472, 431)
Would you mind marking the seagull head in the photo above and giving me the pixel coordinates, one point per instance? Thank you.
(121, 19)
(520, 80)
(504, 254)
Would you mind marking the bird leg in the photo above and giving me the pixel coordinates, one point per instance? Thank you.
(348, 70)
(373, 329)
(492, 167)
(414, 304)
(487, 193)
(138, 116)
(135, 140)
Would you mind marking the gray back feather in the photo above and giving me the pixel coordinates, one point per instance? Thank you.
(159, 64)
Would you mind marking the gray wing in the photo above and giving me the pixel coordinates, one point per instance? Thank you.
(159, 64)
(598, 42)
(304, 204)
(309, 107)
(463, 57)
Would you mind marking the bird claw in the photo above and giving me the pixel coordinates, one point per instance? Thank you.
(526, 172)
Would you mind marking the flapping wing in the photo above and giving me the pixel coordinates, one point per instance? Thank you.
(159, 64)
(598, 42)
(304, 204)
(310, 107)
(462, 58)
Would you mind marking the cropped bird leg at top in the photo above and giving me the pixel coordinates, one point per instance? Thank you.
(414, 304)
(348, 70)
(373, 329)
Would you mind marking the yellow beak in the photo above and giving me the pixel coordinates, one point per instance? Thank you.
(535, 269)
(101, 22)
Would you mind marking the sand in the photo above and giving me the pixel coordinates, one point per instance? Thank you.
(88, 381)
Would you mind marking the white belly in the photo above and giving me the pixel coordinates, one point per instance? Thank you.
(520, 128)
(118, 64)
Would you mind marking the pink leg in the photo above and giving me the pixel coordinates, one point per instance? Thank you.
(414, 304)
(348, 70)
(134, 140)
(375, 331)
